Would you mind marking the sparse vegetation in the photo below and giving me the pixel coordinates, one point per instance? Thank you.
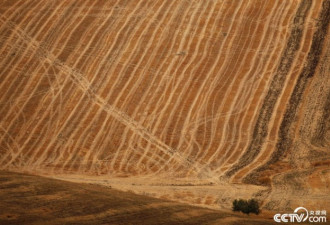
(246, 206)
(54, 202)
(163, 98)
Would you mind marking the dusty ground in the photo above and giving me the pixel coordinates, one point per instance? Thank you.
(180, 100)
(195, 192)
(27, 199)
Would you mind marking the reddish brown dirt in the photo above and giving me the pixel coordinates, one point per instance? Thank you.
(230, 95)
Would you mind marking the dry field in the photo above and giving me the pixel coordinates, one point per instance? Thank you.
(188, 100)
(54, 202)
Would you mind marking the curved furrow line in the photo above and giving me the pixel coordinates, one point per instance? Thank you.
(36, 85)
(85, 97)
(218, 58)
(131, 57)
(188, 122)
(32, 22)
(163, 97)
(84, 85)
(212, 69)
(260, 130)
(107, 100)
(85, 132)
(108, 81)
(98, 44)
(252, 107)
(185, 71)
(259, 68)
(96, 80)
(229, 91)
(282, 99)
(285, 138)
(198, 61)
(173, 18)
(73, 135)
(123, 101)
(178, 82)
(18, 11)
(159, 83)
(23, 36)
(172, 98)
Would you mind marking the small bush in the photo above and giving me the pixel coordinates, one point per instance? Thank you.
(246, 206)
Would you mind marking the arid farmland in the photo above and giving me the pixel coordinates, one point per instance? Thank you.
(194, 101)
(54, 202)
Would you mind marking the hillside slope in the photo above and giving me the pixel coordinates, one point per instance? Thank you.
(59, 202)
(182, 93)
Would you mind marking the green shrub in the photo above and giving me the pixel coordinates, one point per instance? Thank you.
(246, 206)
